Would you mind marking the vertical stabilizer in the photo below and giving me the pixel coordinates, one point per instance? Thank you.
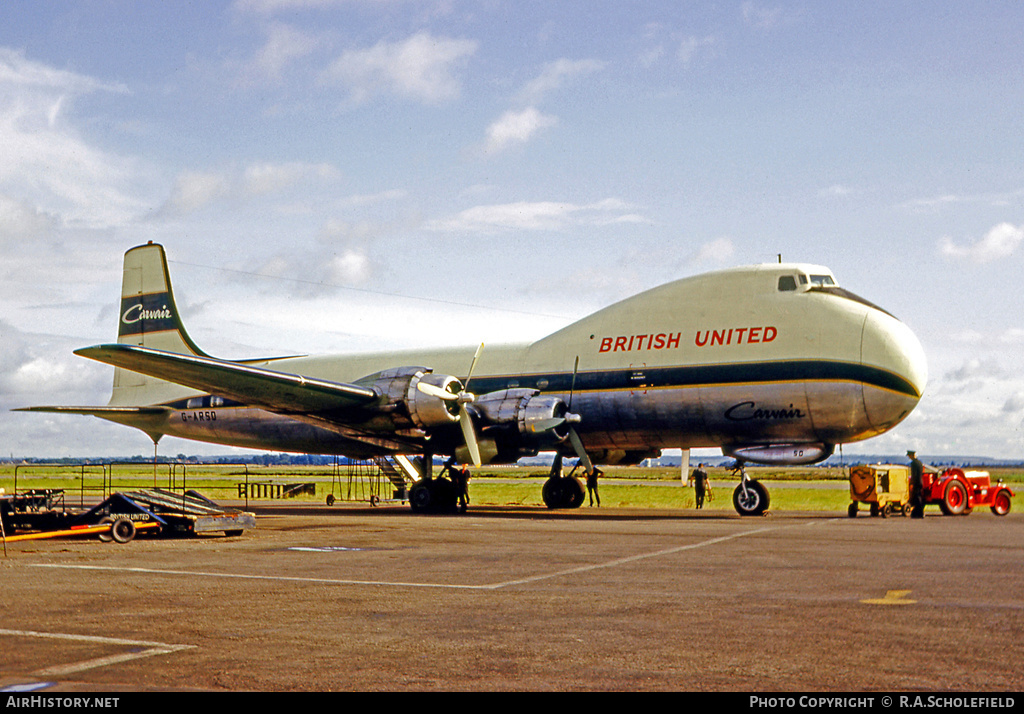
(149, 318)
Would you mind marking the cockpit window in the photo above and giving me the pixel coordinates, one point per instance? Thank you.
(787, 282)
(821, 281)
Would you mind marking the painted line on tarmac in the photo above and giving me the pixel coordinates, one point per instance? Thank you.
(153, 648)
(617, 562)
(629, 559)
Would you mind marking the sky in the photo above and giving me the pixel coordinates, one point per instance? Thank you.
(355, 175)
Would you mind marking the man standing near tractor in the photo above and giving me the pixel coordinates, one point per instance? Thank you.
(916, 486)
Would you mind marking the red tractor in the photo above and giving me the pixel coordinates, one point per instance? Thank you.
(957, 492)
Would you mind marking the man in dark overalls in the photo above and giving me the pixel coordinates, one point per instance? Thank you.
(916, 486)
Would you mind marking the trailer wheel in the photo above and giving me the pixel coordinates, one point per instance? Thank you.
(1001, 502)
(106, 536)
(123, 530)
(955, 499)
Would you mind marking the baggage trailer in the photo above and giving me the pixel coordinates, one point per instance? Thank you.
(41, 514)
(884, 487)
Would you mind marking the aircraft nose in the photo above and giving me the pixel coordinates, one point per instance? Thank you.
(890, 347)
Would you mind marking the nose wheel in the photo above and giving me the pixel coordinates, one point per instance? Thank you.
(750, 498)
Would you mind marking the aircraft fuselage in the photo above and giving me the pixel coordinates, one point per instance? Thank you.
(758, 358)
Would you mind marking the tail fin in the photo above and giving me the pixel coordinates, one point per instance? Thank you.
(148, 317)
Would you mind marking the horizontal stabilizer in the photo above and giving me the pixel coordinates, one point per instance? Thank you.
(151, 420)
(274, 391)
(100, 411)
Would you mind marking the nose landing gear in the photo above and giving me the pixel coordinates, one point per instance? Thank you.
(750, 498)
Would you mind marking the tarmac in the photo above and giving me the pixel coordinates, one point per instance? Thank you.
(352, 598)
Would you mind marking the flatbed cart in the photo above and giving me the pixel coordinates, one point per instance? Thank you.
(884, 487)
(41, 514)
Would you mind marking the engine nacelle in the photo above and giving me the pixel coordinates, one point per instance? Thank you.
(404, 402)
(781, 454)
(524, 409)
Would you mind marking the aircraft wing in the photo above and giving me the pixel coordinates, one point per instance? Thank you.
(275, 391)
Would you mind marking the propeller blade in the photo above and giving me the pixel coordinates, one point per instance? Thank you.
(577, 446)
(436, 391)
(472, 365)
(466, 422)
(572, 387)
(542, 425)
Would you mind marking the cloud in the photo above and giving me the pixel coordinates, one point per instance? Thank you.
(421, 67)
(284, 45)
(762, 17)
(542, 215)
(17, 71)
(47, 164)
(718, 250)
(269, 7)
(195, 190)
(554, 76)
(690, 46)
(1000, 242)
(20, 221)
(514, 128)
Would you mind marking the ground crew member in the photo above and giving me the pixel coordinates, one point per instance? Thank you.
(462, 486)
(700, 484)
(592, 486)
(916, 486)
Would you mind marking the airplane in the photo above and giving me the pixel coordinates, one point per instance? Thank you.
(774, 364)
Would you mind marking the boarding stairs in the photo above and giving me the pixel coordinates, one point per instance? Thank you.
(400, 470)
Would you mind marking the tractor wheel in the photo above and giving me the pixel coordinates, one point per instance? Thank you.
(955, 499)
(1001, 502)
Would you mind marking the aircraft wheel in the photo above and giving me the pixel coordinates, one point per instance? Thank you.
(420, 498)
(1001, 503)
(552, 492)
(577, 493)
(434, 496)
(753, 501)
(563, 492)
(852, 510)
(123, 530)
(955, 499)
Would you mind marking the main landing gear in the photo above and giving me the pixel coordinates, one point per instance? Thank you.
(750, 498)
(563, 491)
(444, 494)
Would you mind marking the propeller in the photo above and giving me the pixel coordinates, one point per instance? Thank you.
(574, 438)
(569, 419)
(462, 398)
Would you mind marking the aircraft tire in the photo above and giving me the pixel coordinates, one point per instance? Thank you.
(435, 496)
(551, 492)
(752, 503)
(420, 498)
(563, 492)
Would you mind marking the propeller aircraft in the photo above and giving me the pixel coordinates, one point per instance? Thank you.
(774, 364)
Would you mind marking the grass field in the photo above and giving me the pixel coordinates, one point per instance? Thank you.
(791, 489)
